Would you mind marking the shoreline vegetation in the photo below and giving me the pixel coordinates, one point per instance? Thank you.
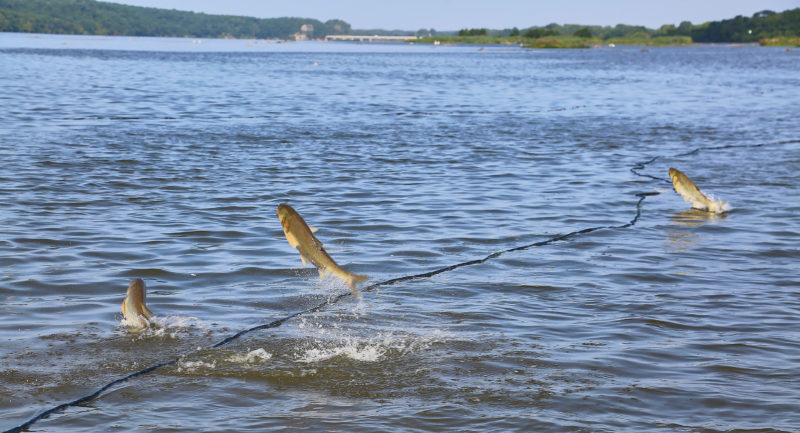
(90, 17)
(558, 41)
(780, 42)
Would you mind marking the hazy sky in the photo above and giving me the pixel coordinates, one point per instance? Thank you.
(495, 14)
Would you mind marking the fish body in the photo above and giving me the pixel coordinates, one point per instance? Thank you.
(133, 307)
(692, 194)
(300, 236)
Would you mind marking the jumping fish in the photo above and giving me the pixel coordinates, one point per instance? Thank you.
(691, 193)
(300, 236)
(133, 307)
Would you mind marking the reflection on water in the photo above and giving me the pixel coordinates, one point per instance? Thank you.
(696, 217)
(680, 240)
(685, 236)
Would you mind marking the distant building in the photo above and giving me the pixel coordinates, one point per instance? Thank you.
(306, 32)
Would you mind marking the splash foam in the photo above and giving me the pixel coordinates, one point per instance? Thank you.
(171, 326)
(369, 350)
(252, 357)
(193, 366)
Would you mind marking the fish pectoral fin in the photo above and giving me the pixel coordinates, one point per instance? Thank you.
(313, 229)
(302, 257)
(146, 312)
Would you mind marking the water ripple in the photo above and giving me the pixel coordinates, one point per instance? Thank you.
(167, 165)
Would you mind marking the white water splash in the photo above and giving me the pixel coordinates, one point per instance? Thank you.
(135, 324)
(193, 366)
(169, 326)
(368, 350)
(252, 357)
(718, 206)
(331, 285)
(351, 349)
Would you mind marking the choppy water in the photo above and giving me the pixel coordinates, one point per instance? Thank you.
(165, 159)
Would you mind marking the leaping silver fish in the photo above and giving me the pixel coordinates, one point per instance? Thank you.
(691, 193)
(133, 307)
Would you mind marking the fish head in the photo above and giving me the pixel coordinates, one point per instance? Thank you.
(676, 175)
(291, 222)
(285, 213)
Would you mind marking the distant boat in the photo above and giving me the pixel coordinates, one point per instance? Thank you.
(611, 45)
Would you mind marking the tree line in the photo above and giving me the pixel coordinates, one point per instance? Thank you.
(101, 18)
(764, 24)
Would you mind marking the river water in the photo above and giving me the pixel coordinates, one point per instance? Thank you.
(165, 159)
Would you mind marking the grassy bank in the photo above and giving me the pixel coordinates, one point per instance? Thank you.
(562, 42)
(558, 41)
(546, 42)
(453, 39)
(656, 41)
(780, 42)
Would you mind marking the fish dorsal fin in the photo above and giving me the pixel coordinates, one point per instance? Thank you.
(313, 229)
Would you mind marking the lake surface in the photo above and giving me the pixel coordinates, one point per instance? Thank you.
(165, 159)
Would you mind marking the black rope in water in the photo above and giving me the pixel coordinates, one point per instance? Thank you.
(330, 301)
(640, 166)
(429, 274)
(89, 397)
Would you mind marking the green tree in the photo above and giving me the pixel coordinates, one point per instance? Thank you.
(473, 32)
(583, 33)
(535, 32)
(666, 30)
(684, 28)
(94, 17)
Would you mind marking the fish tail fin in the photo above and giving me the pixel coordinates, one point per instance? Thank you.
(353, 281)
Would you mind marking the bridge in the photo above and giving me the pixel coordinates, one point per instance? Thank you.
(374, 38)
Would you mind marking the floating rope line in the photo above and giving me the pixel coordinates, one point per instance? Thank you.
(333, 300)
(640, 166)
(330, 301)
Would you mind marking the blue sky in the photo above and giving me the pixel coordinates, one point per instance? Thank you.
(496, 14)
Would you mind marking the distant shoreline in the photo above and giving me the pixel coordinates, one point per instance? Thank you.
(562, 42)
(12, 41)
(89, 17)
(572, 42)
